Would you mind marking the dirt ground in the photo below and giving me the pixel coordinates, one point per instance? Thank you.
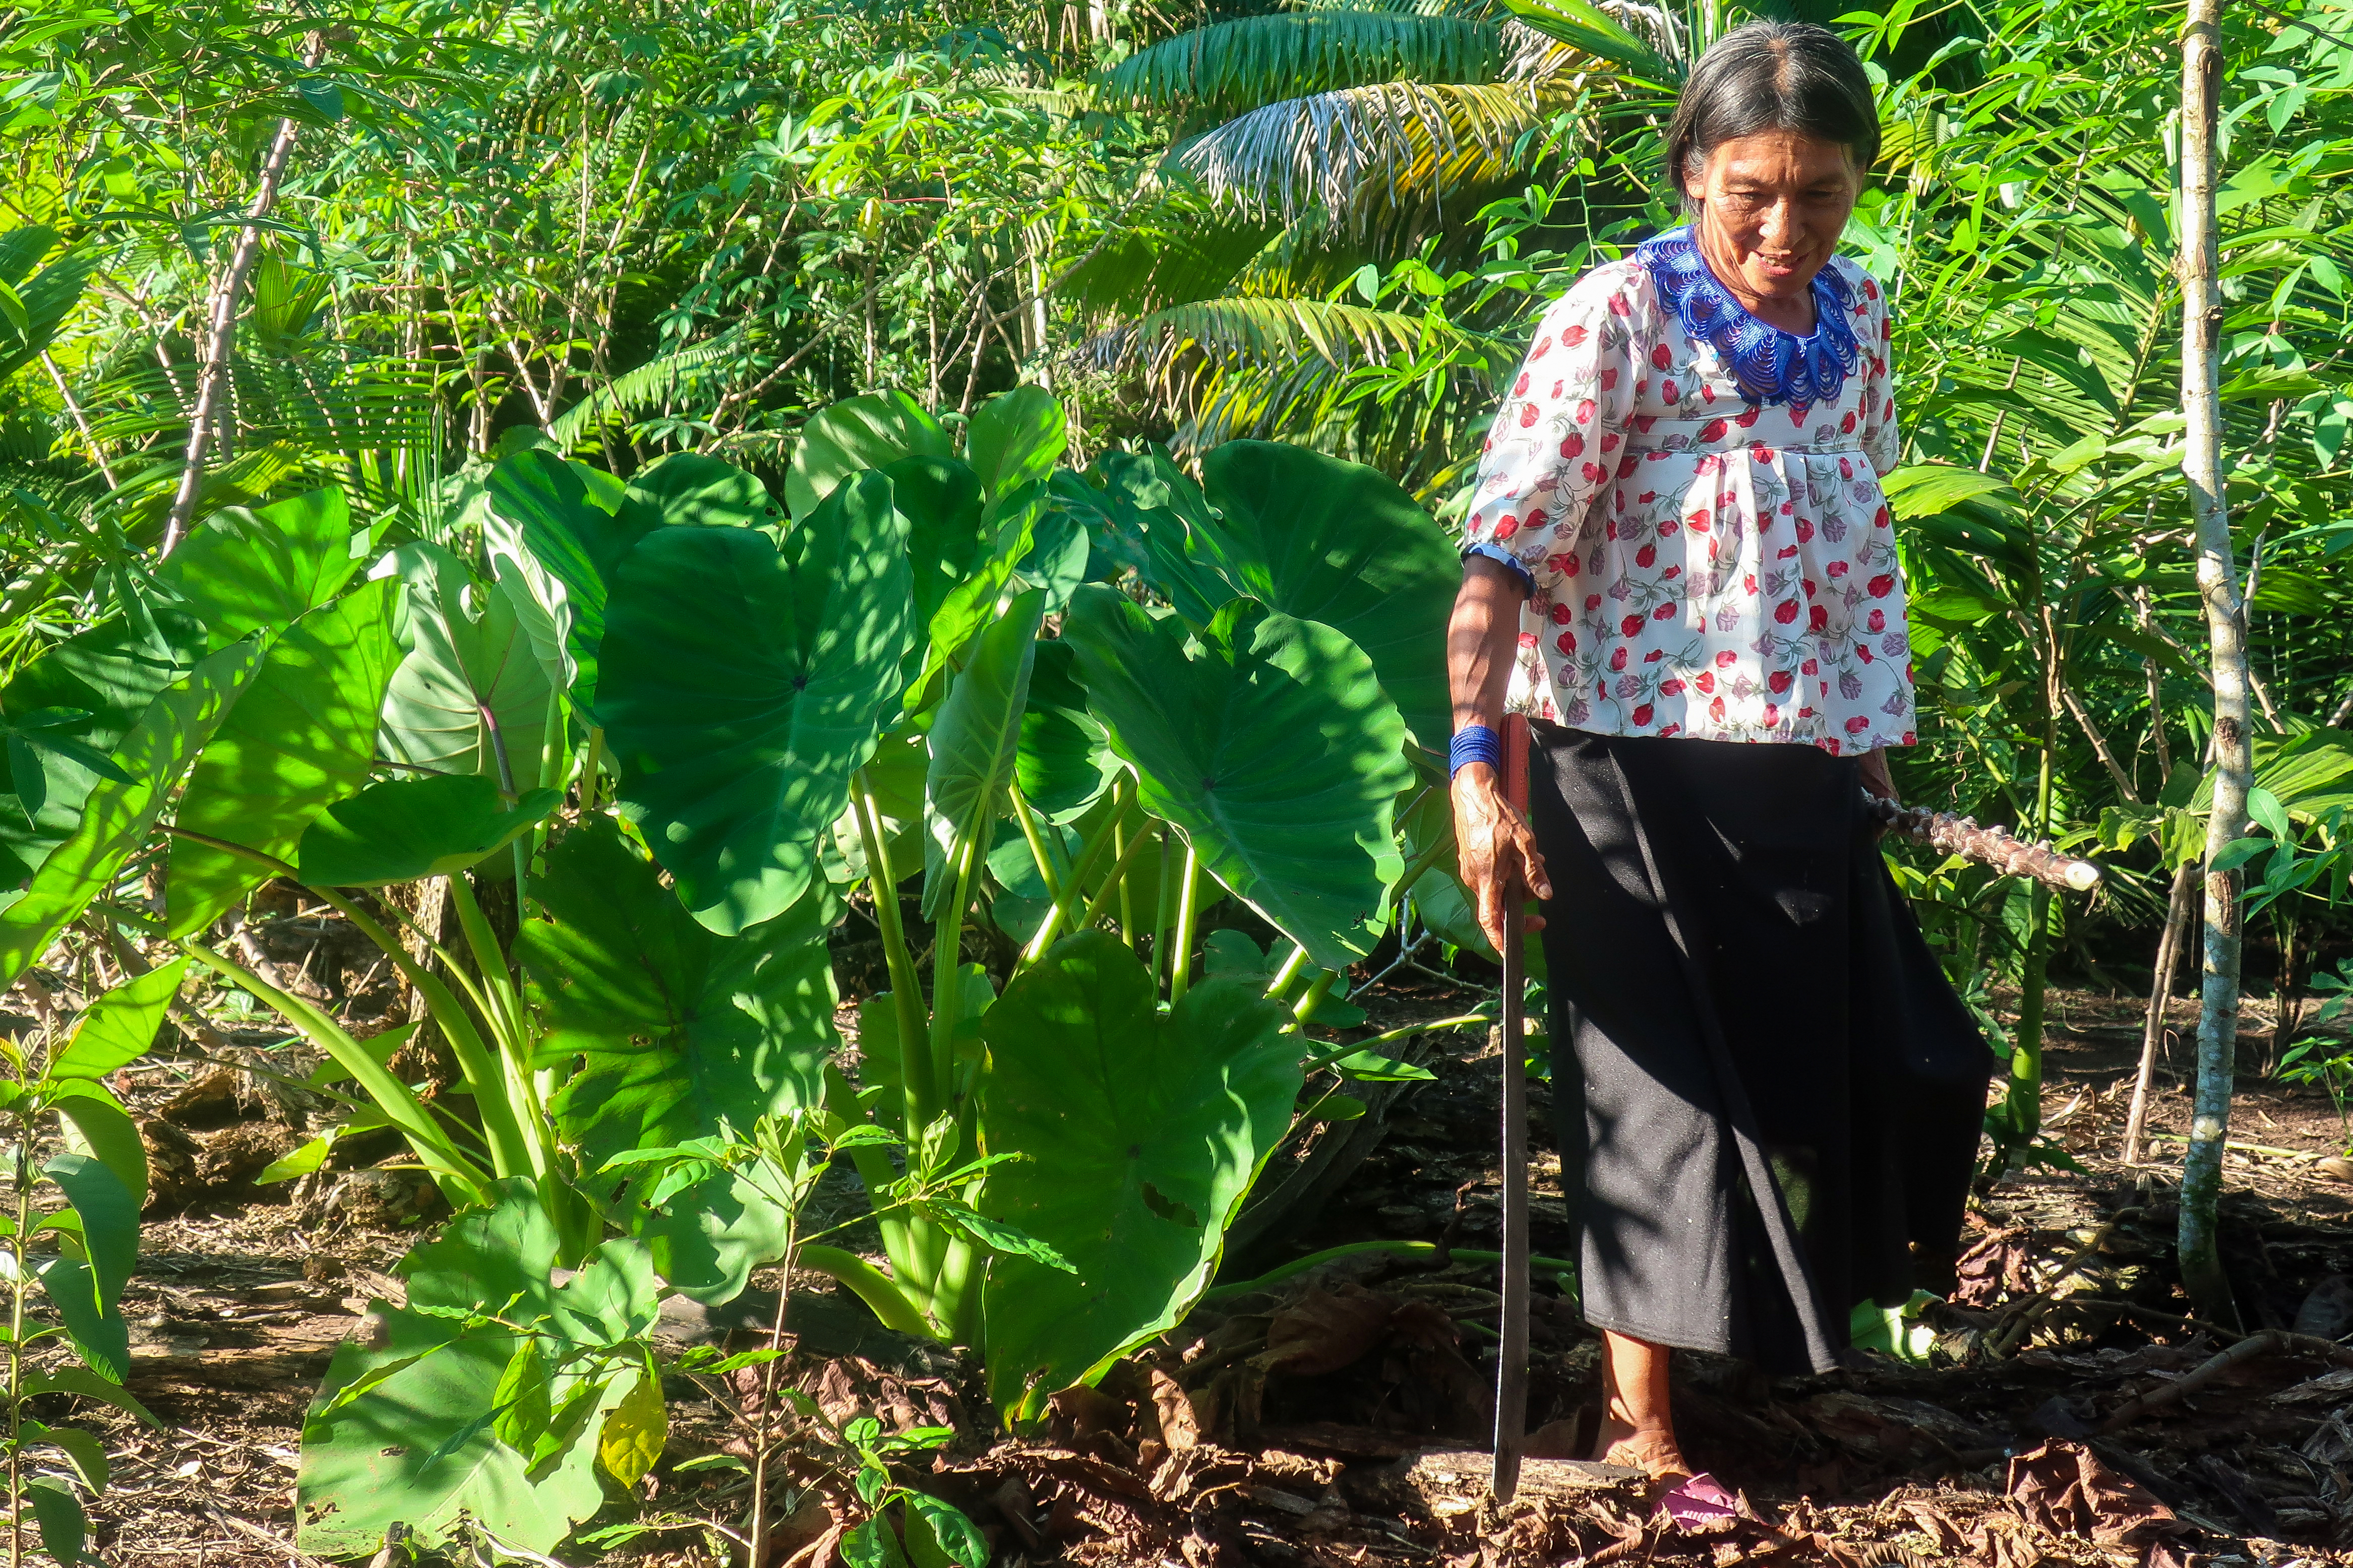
(1340, 1416)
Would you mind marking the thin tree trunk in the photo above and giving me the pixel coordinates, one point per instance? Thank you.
(223, 338)
(2288, 1010)
(2202, 1275)
(81, 422)
(2160, 994)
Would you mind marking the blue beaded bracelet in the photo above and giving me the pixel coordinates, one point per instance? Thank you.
(1474, 744)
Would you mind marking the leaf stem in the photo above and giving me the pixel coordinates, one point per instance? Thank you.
(1180, 954)
(921, 1093)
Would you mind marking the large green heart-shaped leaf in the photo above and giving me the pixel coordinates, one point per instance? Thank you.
(1065, 762)
(1339, 543)
(871, 431)
(118, 817)
(470, 695)
(409, 828)
(744, 683)
(678, 1030)
(1142, 1133)
(974, 745)
(562, 528)
(947, 536)
(1015, 437)
(300, 739)
(241, 570)
(691, 489)
(420, 1446)
(87, 692)
(1269, 741)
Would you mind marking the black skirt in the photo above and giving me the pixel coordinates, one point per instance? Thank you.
(1743, 1005)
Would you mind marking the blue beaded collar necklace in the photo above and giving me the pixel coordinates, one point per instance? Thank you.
(1771, 365)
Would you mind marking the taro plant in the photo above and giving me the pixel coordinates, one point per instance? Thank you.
(1194, 731)
(991, 697)
(70, 1260)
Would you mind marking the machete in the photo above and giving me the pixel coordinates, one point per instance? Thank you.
(1512, 1354)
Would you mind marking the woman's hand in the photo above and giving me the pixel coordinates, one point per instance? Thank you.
(1496, 851)
(1872, 766)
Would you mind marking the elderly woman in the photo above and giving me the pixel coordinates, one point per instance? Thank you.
(1681, 566)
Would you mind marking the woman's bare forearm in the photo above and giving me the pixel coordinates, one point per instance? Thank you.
(1483, 638)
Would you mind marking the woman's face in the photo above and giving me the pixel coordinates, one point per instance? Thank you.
(1771, 207)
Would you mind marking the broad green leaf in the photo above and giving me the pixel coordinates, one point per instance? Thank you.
(98, 1334)
(119, 1027)
(108, 673)
(110, 1221)
(106, 1133)
(564, 527)
(947, 532)
(419, 1448)
(469, 655)
(242, 570)
(872, 1546)
(1015, 438)
(85, 1453)
(1371, 1067)
(1065, 762)
(1143, 1131)
(408, 829)
(1270, 743)
(973, 744)
(634, 1431)
(979, 597)
(676, 1030)
(1336, 543)
(688, 488)
(871, 431)
(59, 1513)
(939, 1534)
(117, 818)
(521, 1398)
(86, 1384)
(301, 737)
(993, 1236)
(742, 684)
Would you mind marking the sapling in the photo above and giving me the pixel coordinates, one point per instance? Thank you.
(785, 1156)
(75, 1255)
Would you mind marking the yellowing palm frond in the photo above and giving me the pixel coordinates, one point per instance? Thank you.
(1360, 150)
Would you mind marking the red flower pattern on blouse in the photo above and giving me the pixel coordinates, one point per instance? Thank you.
(1757, 550)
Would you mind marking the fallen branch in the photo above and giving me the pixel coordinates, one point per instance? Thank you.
(2246, 1349)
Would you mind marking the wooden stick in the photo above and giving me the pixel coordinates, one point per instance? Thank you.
(2168, 959)
(1992, 846)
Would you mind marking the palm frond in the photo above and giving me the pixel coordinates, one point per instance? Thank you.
(647, 385)
(1639, 39)
(1181, 254)
(1230, 68)
(1476, 10)
(1362, 150)
(1238, 367)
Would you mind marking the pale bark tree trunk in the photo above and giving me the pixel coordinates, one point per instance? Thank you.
(2218, 587)
(222, 338)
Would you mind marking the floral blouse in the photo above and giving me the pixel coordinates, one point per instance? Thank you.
(1701, 563)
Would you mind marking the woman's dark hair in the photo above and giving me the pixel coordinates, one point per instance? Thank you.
(1773, 76)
